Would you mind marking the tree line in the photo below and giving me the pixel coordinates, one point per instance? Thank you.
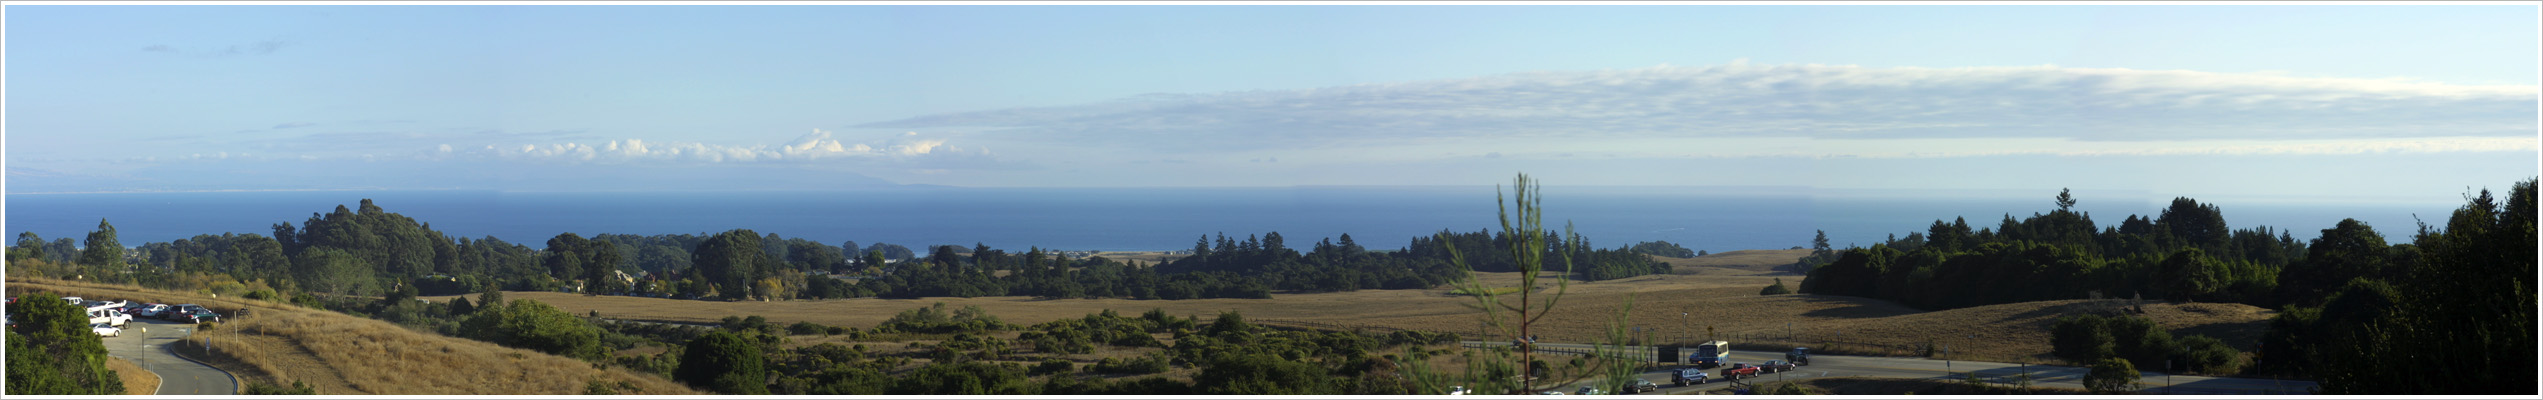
(2458, 296)
(368, 251)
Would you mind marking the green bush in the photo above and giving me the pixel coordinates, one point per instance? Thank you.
(1147, 364)
(52, 352)
(2210, 356)
(725, 363)
(2112, 376)
(533, 325)
(2081, 339)
(807, 328)
(1776, 289)
(967, 378)
(1261, 374)
(1053, 367)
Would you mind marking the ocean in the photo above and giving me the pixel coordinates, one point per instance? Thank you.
(1130, 219)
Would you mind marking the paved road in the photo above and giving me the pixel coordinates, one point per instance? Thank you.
(177, 376)
(1922, 368)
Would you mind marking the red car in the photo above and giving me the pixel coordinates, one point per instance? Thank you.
(1740, 370)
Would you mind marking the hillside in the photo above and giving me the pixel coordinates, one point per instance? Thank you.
(346, 355)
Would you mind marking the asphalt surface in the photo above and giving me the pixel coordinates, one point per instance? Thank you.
(152, 350)
(1923, 368)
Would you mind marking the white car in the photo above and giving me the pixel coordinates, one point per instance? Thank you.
(106, 330)
(153, 310)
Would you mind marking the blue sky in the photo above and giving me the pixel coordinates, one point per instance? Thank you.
(2293, 101)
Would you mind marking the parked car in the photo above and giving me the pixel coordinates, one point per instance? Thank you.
(1640, 386)
(201, 316)
(106, 330)
(109, 316)
(152, 310)
(1739, 370)
(1773, 366)
(180, 311)
(1690, 376)
(1587, 390)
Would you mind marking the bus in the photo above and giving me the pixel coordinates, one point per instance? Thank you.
(1710, 354)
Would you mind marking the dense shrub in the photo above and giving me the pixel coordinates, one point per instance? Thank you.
(1054, 366)
(1146, 364)
(52, 352)
(966, 378)
(2112, 376)
(723, 363)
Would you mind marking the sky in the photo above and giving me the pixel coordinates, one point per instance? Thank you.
(2294, 101)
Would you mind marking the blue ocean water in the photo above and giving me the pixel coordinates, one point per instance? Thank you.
(1139, 218)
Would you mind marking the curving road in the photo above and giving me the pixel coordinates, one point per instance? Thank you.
(177, 375)
(1924, 368)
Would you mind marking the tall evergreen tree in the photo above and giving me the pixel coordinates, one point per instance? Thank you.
(101, 249)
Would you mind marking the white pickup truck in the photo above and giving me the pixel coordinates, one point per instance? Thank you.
(109, 316)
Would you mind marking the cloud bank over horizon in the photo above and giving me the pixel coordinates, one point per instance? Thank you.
(2086, 108)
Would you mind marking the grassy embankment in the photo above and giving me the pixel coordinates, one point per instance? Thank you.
(137, 381)
(346, 355)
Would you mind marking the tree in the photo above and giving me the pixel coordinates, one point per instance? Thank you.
(1820, 243)
(602, 272)
(52, 352)
(2081, 339)
(101, 249)
(332, 271)
(1525, 243)
(2195, 224)
(722, 362)
(2065, 200)
(2348, 250)
(2112, 376)
(2189, 274)
(731, 261)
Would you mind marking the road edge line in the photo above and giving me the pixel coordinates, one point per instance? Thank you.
(235, 386)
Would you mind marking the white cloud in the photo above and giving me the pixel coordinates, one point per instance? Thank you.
(1784, 101)
(819, 145)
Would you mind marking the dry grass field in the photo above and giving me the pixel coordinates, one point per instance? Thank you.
(137, 381)
(346, 355)
(1676, 307)
(1670, 307)
(1740, 262)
